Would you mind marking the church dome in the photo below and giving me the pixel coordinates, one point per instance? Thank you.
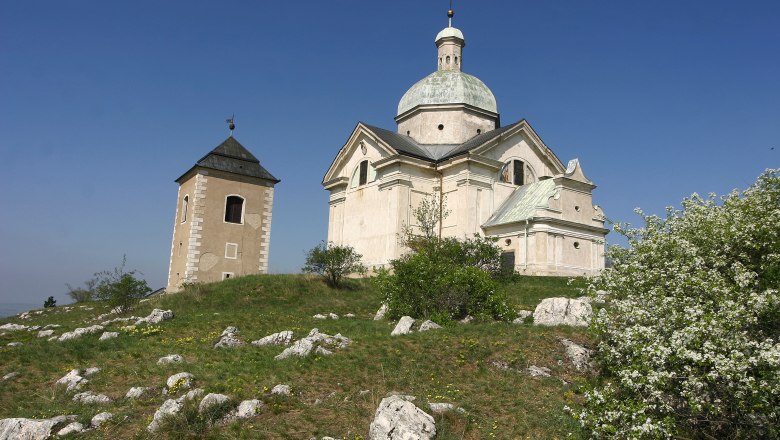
(448, 87)
(449, 32)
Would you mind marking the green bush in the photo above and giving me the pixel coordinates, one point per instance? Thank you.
(118, 288)
(50, 302)
(690, 340)
(333, 262)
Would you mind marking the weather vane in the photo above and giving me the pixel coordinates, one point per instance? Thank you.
(231, 123)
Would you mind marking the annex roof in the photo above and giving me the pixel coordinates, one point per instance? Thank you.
(232, 157)
(523, 203)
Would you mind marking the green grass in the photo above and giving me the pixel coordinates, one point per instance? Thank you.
(448, 365)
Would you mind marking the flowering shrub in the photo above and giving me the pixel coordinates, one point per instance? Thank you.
(689, 341)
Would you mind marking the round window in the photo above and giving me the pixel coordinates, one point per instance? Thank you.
(576, 245)
(441, 126)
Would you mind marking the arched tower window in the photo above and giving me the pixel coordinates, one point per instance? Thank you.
(364, 173)
(234, 209)
(448, 60)
(513, 172)
(184, 206)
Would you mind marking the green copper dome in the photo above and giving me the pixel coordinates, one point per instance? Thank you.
(448, 87)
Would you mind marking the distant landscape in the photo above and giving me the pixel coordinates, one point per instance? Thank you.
(11, 308)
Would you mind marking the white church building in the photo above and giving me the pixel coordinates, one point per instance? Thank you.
(497, 181)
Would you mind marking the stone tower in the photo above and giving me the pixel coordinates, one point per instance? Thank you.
(222, 227)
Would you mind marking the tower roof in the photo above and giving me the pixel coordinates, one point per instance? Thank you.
(448, 87)
(232, 157)
(450, 32)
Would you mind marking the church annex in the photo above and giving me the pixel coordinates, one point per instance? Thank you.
(499, 181)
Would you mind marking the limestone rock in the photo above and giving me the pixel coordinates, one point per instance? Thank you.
(319, 316)
(281, 338)
(14, 344)
(169, 408)
(578, 355)
(11, 327)
(73, 380)
(428, 325)
(10, 375)
(79, 332)
(45, 333)
(399, 419)
(403, 327)
(48, 326)
(441, 408)
(191, 395)
(73, 427)
(136, 392)
(157, 316)
(349, 315)
(314, 341)
(322, 351)
(170, 359)
(229, 338)
(535, 371)
(248, 408)
(380, 314)
(29, 429)
(333, 316)
(563, 311)
(467, 320)
(521, 315)
(91, 370)
(88, 397)
(101, 418)
(281, 390)
(108, 335)
(184, 380)
(210, 400)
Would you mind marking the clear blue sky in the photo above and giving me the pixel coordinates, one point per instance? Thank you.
(103, 104)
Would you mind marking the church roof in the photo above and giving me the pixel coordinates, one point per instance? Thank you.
(448, 87)
(523, 203)
(232, 157)
(436, 153)
(449, 32)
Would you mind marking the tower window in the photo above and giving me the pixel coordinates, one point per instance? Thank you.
(234, 207)
(448, 60)
(184, 206)
(513, 172)
(441, 126)
(363, 173)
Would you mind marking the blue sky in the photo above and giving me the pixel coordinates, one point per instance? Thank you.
(104, 104)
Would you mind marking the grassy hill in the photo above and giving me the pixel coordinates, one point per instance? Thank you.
(329, 398)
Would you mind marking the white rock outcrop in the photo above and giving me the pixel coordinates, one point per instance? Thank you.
(521, 315)
(428, 325)
(75, 379)
(108, 335)
(578, 355)
(314, 342)
(281, 338)
(30, 429)
(170, 359)
(45, 333)
(11, 327)
(248, 408)
(88, 397)
(181, 380)
(281, 390)
(319, 316)
(70, 428)
(229, 338)
(14, 344)
(100, 419)
(441, 408)
(563, 311)
(10, 375)
(210, 400)
(136, 392)
(79, 332)
(169, 408)
(397, 418)
(403, 327)
(535, 371)
(380, 314)
(157, 316)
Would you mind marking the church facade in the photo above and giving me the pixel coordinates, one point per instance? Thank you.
(222, 227)
(497, 181)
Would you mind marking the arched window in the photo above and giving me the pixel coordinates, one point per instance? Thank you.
(364, 173)
(184, 206)
(234, 209)
(448, 60)
(513, 172)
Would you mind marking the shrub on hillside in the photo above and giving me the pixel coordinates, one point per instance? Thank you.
(690, 341)
(50, 302)
(117, 287)
(83, 294)
(333, 262)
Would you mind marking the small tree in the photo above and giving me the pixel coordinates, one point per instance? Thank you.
(50, 302)
(333, 262)
(119, 288)
(690, 340)
(83, 294)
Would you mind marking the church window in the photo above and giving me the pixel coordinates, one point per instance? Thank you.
(456, 61)
(184, 206)
(441, 126)
(364, 173)
(448, 60)
(479, 131)
(234, 209)
(513, 172)
(226, 275)
(576, 245)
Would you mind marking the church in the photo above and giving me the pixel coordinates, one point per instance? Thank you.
(497, 181)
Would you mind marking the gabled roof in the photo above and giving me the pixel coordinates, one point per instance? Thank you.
(523, 202)
(230, 156)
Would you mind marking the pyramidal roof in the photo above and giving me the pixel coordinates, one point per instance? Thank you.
(232, 157)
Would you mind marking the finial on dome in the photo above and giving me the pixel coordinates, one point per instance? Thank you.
(450, 14)
(231, 123)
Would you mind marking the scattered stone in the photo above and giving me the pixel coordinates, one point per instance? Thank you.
(521, 316)
(399, 419)
(10, 376)
(169, 408)
(101, 418)
(281, 338)
(111, 321)
(500, 364)
(303, 347)
(349, 315)
(53, 338)
(210, 400)
(191, 395)
(281, 390)
(578, 355)
(74, 379)
(144, 300)
(364, 392)
(229, 338)
(563, 311)
(467, 320)
(136, 392)
(428, 325)
(73, 427)
(91, 370)
(157, 316)
(79, 332)
(403, 327)
(170, 359)
(380, 314)
(322, 351)
(30, 429)
(319, 316)
(33, 328)
(181, 380)
(11, 327)
(88, 397)
(45, 333)
(108, 335)
(14, 344)
(248, 408)
(333, 316)
(48, 326)
(535, 371)
(441, 408)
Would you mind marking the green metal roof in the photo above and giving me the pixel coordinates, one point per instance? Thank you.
(448, 87)
(523, 203)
